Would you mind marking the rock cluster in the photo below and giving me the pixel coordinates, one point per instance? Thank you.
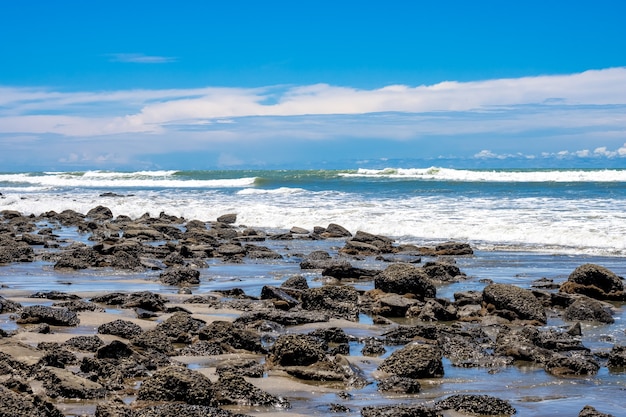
(87, 367)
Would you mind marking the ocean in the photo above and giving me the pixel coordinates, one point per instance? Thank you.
(556, 211)
(523, 224)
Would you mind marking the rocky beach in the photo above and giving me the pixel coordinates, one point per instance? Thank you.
(114, 316)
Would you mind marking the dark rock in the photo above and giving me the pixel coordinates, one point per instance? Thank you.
(14, 404)
(8, 306)
(203, 348)
(335, 338)
(595, 281)
(100, 213)
(415, 361)
(54, 295)
(295, 230)
(180, 327)
(147, 300)
(521, 344)
(402, 410)
(344, 270)
(399, 385)
(261, 252)
(113, 409)
(383, 244)
(297, 350)
(545, 283)
(229, 218)
(335, 231)
(573, 364)
(373, 347)
(84, 343)
(437, 310)
(15, 251)
(285, 318)
(520, 301)
(402, 335)
(617, 357)
(122, 328)
(476, 404)
(405, 279)
(49, 315)
(180, 276)
(339, 301)
(393, 305)
(57, 357)
(154, 339)
(276, 294)
(469, 348)
(79, 258)
(177, 383)
(63, 383)
(33, 240)
(336, 368)
(114, 350)
(183, 410)
(589, 411)
(235, 390)
(443, 271)
(297, 282)
(243, 367)
(126, 261)
(227, 334)
(588, 309)
(453, 249)
(78, 305)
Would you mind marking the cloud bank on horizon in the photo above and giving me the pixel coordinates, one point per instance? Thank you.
(571, 116)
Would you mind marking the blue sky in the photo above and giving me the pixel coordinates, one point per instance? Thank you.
(242, 84)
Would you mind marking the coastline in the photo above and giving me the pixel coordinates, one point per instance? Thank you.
(229, 256)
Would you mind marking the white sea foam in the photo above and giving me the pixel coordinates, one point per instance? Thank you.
(275, 191)
(594, 226)
(141, 179)
(592, 223)
(446, 174)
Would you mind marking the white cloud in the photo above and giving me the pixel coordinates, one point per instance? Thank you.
(507, 118)
(30, 110)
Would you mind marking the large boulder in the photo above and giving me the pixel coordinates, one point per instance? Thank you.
(337, 300)
(181, 326)
(520, 301)
(122, 328)
(589, 411)
(595, 281)
(297, 350)
(476, 405)
(235, 390)
(65, 384)
(231, 337)
(49, 315)
(180, 276)
(415, 361)
(12, 250)
(405, 279)
(79, 258)
(20, 404)
(177, 383)
(100, 213)
(8, 306)
(588, 309)
(617, 357)
(400, 410)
